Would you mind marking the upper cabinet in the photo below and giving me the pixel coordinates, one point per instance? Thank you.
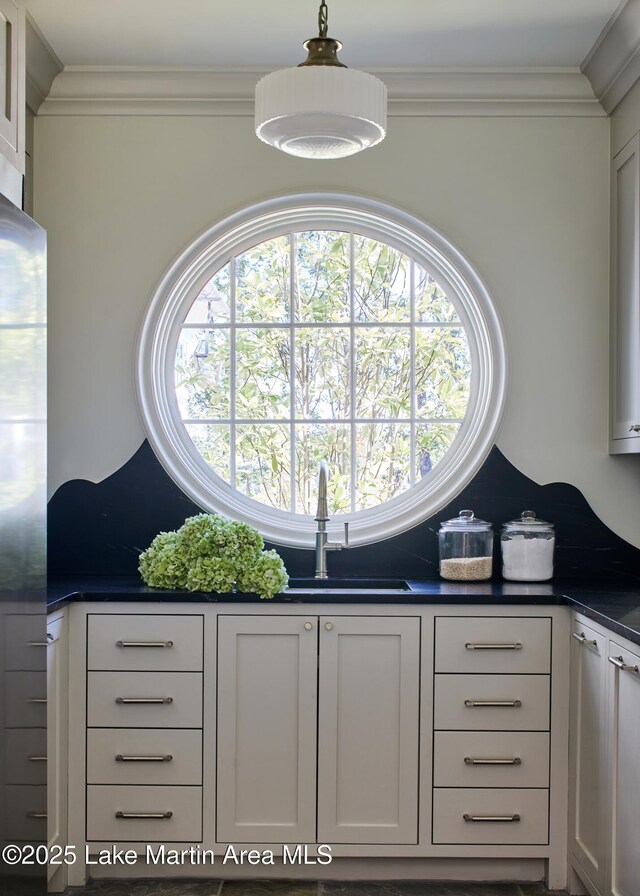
(625, 300)
(12, 98)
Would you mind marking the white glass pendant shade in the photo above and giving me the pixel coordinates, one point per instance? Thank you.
(321, 111)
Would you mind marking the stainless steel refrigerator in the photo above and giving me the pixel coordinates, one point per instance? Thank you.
(23, 331)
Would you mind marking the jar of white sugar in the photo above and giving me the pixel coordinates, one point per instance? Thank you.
(527, 549)
(466, 548)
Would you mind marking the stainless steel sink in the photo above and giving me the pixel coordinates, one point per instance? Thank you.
(353, 584)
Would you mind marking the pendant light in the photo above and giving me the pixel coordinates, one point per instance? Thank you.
(321, 109)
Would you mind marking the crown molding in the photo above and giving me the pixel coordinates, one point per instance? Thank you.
(83, 90)
(613, 64)
(43, 66)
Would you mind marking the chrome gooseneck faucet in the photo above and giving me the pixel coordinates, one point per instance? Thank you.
(322, 518)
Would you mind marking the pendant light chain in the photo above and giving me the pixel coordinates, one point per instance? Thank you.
(323, 19)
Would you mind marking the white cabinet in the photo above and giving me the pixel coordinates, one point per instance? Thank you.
(368, 729)
(57, 743)
(491, 719)
(267, 692)
(361, 708)
(624, 796)
(144, 716)
(625, 300)
(588, 750)
(605, 782)
(12, 98)
(259, 725)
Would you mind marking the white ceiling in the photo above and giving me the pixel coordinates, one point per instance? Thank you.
(376, 34)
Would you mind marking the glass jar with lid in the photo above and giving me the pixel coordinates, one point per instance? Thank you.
(527, 549)
(466, 548)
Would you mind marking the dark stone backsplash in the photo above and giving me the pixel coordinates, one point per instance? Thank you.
(101, 528)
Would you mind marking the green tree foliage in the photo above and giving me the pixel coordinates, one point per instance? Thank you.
(322, 345)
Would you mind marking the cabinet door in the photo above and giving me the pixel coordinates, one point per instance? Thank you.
(267, 702)
(57, 744)
(625, 299)
(368, 730)
(10, 53)
(587, 763)
(624, 691)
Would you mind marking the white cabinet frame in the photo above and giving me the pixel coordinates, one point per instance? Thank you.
(422, 859)
(625, 300)
(604, 795)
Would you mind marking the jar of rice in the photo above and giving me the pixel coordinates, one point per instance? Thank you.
(466, 548)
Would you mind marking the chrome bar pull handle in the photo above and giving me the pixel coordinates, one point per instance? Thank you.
(144, 700)
(472, 646)
(168, 814)
(120, 757)
(582, 639)
(619, 663)
(511, 818)
(37, 758)
(489, 703)
(144, 644)
(35, 814)
(515, 761)
(50, 640)
(36, 699)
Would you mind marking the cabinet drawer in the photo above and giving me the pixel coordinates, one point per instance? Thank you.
(179, 811)
(144, 756)
(26, 812)
(117, 700)
(466, 702)
(25, 699)
(144, 642)
(528, 808)
(25, 641)
(511, 644)
(25, 755)
(491, 759)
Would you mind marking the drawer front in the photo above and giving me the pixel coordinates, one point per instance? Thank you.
(25, 640)
(179, 811)
(27, 812)
(25, 755)
(528, 809)
(510, 644)
(145, 642)
(25, 699)
(465, 702)
(491, 759)
(144, 756)
(119, 700)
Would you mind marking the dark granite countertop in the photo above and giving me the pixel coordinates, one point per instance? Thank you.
(617, 606)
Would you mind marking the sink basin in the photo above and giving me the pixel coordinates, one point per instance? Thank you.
(339, 584)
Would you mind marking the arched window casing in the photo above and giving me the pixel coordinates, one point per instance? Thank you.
(321, 325)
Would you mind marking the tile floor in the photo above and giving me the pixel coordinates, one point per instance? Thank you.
(305, 888)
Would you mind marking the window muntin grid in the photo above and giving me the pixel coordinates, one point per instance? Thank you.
(278, 366)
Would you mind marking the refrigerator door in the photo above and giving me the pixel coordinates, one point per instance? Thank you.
(23, 332)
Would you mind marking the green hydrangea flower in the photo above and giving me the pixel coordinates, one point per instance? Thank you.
(266, 577)
(212, 553)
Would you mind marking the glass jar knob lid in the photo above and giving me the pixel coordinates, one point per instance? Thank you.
(467, 521)
(528, 521)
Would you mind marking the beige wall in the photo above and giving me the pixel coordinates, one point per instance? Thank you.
(526, 199)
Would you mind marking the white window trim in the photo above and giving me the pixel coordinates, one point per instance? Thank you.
(158, 336)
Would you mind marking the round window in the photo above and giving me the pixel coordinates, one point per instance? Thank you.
(321, 327)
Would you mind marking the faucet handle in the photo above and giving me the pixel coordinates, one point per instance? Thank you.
(346, 535)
